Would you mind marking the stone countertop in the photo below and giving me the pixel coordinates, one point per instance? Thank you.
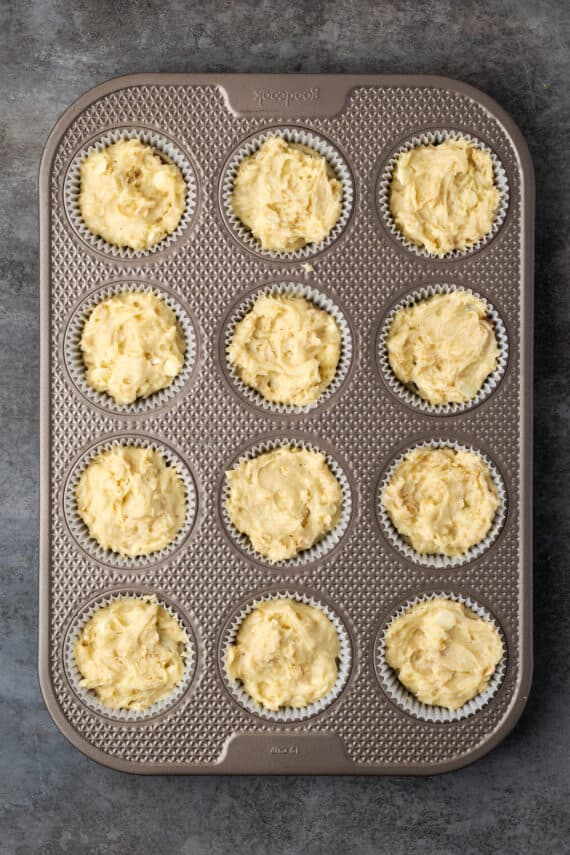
(53, 799)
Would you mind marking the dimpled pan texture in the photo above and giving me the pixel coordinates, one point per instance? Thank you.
(363, 426)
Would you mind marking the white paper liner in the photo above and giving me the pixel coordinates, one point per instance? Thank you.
(166, 149)
(287, 714)
(406, 700)
(409, 395)
(89, 697)
(442, 561)
(74, 357)
(319, 550)
(321, 301)
(79, 529)
(434, 138)
(301, 137)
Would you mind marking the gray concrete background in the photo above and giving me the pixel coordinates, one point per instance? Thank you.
(52, 799)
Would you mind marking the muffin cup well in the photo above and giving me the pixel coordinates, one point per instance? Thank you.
(168, 150)
(89, 697)
(405, 699)
(291, 135)
(286, 714)
(79, 530)
(434, 138)
(408, 395)
(326, 544)
(74, 357)
(321, 301)
(441, 562)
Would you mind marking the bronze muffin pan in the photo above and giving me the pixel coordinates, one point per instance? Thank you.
(207, 269)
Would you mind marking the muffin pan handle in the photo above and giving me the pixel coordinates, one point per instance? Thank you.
(288, 96)
(284, 753)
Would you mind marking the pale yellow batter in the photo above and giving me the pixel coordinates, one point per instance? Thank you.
(131, 500)
(441, 500)
(443, 197)
(287, 195)
(130, 196)
(443, 652)
(285, 654)
(286, 348)
(284, 500)
(444, 347)
(132, 346)
(131, 653)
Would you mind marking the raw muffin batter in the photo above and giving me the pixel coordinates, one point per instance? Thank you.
(287, 195)
(285, 500)
(130, 196)
(441, 500)
(444, 347)
(443, 197)
(131, 653)
(443, 652)
(131, 500)
(285, 654)
(132, 346)
(286, 348)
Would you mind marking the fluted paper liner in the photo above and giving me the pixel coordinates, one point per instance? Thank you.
(322, 547)
(168, 151)
(434, 138)
(300, 136)
(412, 397)
(79, 529)
(89, 697)
(287, 714)
(74, 357)
(442, 561)
(321, 301)
(405, 699)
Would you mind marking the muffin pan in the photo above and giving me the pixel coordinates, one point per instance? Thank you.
(210, 269)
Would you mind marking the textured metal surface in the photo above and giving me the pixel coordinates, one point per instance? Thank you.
(366, 269)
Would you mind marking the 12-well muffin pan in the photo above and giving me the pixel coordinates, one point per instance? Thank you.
(209, 271)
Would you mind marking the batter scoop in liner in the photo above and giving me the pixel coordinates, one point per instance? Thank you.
(131, 500)
(287, 195)
(443, 652)
(284, 500)
(131, 653)
(130, 196)
(285, 654)
(443, 347)
(443, 197)
(441, 500)
(132, 346)
(286, 348)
